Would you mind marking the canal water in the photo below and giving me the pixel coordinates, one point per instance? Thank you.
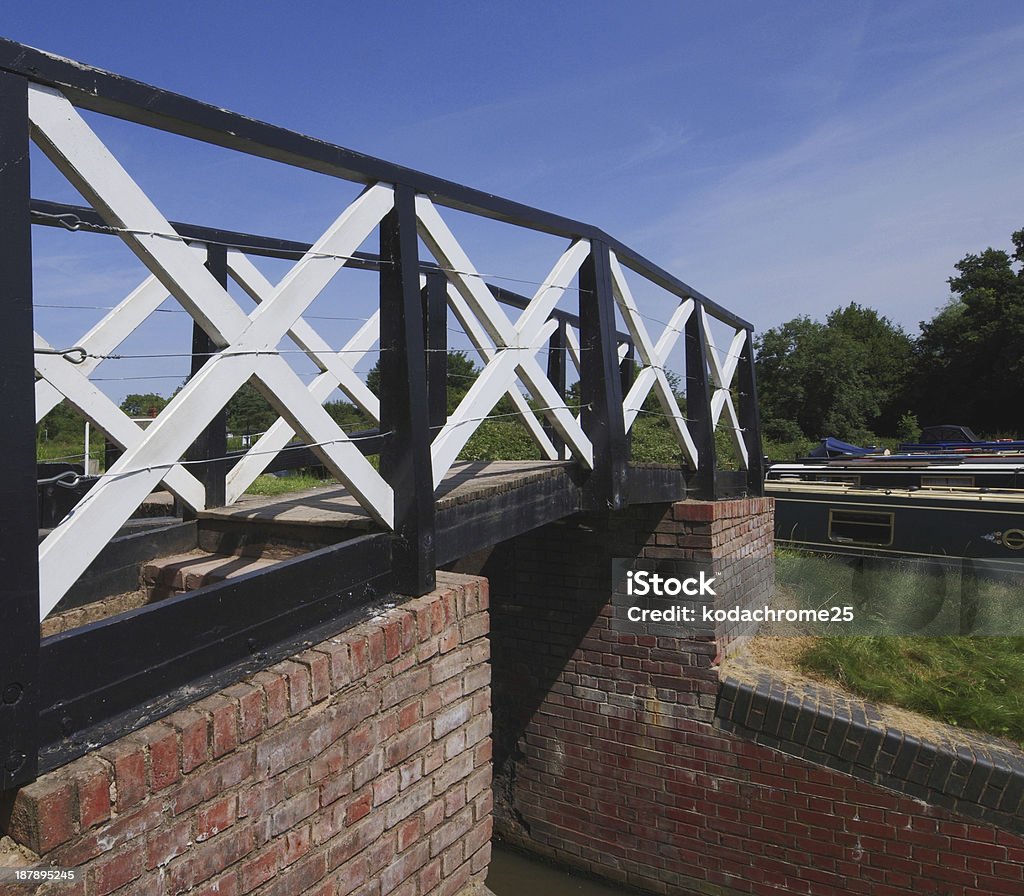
(514, 874)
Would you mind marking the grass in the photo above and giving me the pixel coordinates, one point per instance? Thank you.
(269, 486)
(904, 648)
(971, 682)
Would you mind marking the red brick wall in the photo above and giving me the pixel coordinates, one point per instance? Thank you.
(609, 758)
(362, 765)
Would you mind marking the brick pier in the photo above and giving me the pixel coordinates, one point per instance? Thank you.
(361, 765)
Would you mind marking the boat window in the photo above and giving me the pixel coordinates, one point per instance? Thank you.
(860, 527)
(958, 481)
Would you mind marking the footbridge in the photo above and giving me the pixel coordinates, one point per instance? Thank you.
(347, 689)
(391, 522)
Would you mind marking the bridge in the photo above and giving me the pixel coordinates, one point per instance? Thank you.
(347, 689)
(394, 523)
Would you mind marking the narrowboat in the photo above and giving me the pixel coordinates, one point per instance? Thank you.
(940, 505)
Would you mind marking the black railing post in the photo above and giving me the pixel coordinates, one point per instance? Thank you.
(698, 408)
(750, 417)
(19, 604)
(405, 457)
(557, 347)
(627, 374)
(435, 326)
(600, 384)
(213, 441)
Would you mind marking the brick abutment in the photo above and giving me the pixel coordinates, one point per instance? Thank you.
(629, 757)
(363, 765)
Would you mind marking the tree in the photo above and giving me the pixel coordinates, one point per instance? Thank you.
(970, 356)
(461, 374)
(845, 377)
(147, 404)
(61, 423)
(248, 412)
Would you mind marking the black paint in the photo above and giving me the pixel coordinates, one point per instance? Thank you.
(19, 634)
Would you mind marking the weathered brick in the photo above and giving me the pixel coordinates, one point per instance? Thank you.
(450, 831)
(210, 858)
(411, 800)
(92, 779)
(259, 869)
(204, 785)
(292, 811)
(275, 689)
(404, 867)
(319, 665)
(355, 840)
(129, 762)
(217, 817)
(403, 745)
(359, 807)
(299, 688)
(193, 728)
(43, 814)
(451, 664)
(161, 743)
(250, 710)
(451, 718)
(113, 871)
(300, 741)
(255, 787)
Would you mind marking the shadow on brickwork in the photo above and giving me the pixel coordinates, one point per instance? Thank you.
(549, 589)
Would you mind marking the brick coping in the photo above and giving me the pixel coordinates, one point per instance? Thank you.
(965, 772)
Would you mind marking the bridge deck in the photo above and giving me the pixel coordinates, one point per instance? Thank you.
(478, 504)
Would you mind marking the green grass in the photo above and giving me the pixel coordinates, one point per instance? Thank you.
(971, 682)
(70, 450)
(268, 486)
(500, 440)
(903, 648)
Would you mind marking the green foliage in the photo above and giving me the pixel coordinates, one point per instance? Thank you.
(653, 441)
(909, 430)
(147, 404)
(500, 440)
(787, 449)
(61, 424)
(973, 682)
(970, 361)
(461, 374)
(348, 416)
(249, 412)
(268, 485)
(844, 377)
(60, 435)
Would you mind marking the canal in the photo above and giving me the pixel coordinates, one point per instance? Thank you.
(514, 874)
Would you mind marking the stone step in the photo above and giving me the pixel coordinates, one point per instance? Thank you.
(177, 574)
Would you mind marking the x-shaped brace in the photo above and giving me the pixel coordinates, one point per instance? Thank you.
(515, 344)
(722, 373)
(653, 358)
(248, 343)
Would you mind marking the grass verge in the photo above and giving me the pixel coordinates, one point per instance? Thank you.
(970, 682)
(268, 486)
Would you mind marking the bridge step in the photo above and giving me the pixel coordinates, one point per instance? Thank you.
(168, 576)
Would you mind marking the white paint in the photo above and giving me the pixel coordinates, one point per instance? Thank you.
(653, 359)
(515, 345)
(76, 151)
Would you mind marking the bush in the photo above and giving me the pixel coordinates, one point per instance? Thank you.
(500, 440)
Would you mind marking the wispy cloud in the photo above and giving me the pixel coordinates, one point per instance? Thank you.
(874, 203)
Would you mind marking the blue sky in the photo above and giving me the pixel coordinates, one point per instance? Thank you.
(783, 158)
